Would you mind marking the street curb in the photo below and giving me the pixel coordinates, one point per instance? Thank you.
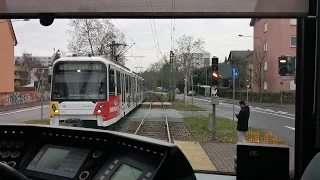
(22, 106)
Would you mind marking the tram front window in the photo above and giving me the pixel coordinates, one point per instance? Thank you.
(78, 84)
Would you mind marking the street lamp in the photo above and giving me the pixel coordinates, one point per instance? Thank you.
(261, 64)
(240, 35)
(15, 20)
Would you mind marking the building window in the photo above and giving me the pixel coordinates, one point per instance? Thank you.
(265, 47)
(293, 41)
(265, 65)
(265, 27)
(293, 22)
(265, 85)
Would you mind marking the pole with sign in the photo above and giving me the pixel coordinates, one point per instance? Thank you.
(281, 83)
(234, 75)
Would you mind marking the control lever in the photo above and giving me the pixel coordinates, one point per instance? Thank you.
(9, 173)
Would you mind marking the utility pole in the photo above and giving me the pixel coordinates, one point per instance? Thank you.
(171, 90)
(114, 50)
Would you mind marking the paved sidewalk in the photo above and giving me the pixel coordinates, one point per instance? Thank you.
(21, 106)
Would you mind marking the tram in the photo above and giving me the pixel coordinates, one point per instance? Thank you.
(96, 91)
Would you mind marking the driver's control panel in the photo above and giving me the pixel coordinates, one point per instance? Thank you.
(11, 152)
(58, 160)
(47, 153)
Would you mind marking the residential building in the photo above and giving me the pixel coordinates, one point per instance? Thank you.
(21, 74)
(200, 59)
(7, 42)
(242, 61)
(273, 38)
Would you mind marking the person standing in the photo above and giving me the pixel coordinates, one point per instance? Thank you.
(243, 121)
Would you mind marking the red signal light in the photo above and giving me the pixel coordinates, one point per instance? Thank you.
(215, 74)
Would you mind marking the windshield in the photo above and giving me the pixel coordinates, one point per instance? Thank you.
(170, 59)
(74, 81)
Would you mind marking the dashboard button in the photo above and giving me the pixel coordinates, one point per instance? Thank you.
(3, 144)
(106, 172)
(84, 175)
(3, 162)
(19, 144)
(148, 174)
(15, 154)
(97, 154)
(11, 144)
(6, 154)
(11, 164)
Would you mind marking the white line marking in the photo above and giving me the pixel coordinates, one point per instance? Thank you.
(292, 128)
(255, 110)
(23, 110)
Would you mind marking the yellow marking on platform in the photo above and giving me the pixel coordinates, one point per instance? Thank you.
(197, 157)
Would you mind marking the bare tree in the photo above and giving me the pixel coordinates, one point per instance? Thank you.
(188, 50)
(94, 36)
(30, 62)
(258, 74)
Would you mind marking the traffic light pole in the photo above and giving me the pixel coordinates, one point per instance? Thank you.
(214, 98)
(41, 96)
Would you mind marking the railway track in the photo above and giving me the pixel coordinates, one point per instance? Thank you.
(155, 129)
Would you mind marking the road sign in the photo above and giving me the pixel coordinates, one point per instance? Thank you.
(281, 83)
(235, 73)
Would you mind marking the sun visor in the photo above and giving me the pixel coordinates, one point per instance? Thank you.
(156, 8)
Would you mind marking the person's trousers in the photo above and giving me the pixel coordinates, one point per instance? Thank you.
(241, 136)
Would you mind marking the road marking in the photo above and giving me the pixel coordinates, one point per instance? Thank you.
(292, 128)
(23, 110)
(256, 110)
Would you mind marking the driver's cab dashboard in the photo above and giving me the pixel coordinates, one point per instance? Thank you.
(65, 153)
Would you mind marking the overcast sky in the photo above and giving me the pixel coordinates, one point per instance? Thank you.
(220, 36)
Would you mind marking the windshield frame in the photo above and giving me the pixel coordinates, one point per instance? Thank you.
(105, 70)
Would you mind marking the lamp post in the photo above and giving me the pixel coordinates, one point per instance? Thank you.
(261, 64)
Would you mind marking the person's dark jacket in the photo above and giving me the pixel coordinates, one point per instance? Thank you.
(243, 119)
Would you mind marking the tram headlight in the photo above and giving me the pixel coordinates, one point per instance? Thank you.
(101, 107)
(54, 108)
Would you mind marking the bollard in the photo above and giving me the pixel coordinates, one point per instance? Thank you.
(235, 164)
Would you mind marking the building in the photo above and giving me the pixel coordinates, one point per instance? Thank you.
(201, 59)
(44, 60)
(7, 42)
(273, 38)
(242, 61)
(21, 74)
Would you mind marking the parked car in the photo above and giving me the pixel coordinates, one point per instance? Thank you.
(192, 93)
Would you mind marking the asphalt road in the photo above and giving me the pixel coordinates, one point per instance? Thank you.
(278, 120)
(20, 115)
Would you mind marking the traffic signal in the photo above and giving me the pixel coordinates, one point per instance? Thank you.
(287, 65)
(215, 71)
(248, 86)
